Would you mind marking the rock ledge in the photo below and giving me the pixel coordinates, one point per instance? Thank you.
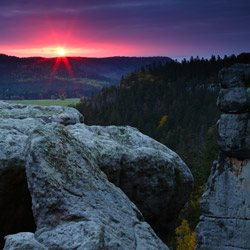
(58, 164)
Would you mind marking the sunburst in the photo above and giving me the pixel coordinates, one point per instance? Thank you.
(61, 51)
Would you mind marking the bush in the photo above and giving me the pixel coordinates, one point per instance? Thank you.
(185, 237)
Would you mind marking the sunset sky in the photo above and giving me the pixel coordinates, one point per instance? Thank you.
(100, 28)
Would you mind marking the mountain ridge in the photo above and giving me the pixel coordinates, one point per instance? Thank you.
(42, 78)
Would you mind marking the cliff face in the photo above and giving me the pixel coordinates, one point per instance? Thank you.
(225, 205)
(51, 160)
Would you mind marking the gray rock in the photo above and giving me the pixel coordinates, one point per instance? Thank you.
(15, 201)
(248, 98)
(63, 115)
(20, 241)
(150, 174)
(74, 205)
(233, 100)
(232, 177)
(13, 139)
(234, 76)
(18, 122)
(234, 135)
(225, 221)
(225, 205)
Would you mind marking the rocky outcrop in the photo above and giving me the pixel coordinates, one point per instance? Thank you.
(234, 102)
(41, 114)
(23, 241)
(74, 205)
(225, 205)
(150, 174)
(17, 123)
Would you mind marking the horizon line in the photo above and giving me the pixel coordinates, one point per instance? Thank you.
(174, 58)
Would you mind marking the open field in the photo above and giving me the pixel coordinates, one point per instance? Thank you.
(47, 102)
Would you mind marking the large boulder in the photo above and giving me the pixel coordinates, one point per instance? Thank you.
(225, 205)
(74, 205)
(17, 123)
(150, 174)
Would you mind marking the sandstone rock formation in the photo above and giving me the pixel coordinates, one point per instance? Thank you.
(234, 102)
(73, 203)
(17, 123)
(225, 205)
(150, 174)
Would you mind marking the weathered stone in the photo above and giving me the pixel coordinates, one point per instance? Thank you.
(150, 174)
(225, 205)
(63, 115)
(23, 241)
(233, 100)
(225, 221)
(13, 139)
(234, 135)
(15, 202)
(248, 98)
(74, 205)
(234, 76)
(229, 202)
(18, 122)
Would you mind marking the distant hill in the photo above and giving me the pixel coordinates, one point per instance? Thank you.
(36, 77)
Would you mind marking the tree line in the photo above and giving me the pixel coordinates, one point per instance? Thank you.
(174, 103)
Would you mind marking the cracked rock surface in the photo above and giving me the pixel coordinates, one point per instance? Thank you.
(61, 167)
(225, 205)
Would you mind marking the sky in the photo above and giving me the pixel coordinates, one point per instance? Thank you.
(101, 28)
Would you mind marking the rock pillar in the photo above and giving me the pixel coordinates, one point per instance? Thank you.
(225, 205)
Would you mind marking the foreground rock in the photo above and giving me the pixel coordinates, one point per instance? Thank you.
(73, 203)
(151, 175)
(42, 114)
(17, 123)
(23, 241)
(225, 221)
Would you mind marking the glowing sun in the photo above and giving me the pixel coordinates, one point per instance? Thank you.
(61, 52)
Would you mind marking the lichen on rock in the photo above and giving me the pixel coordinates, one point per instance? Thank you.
(70, 167)
(150, 174)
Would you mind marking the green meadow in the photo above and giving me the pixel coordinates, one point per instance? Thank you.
(48, 102)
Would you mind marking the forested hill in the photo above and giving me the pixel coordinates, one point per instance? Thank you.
(174, 103)
(43, 78)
